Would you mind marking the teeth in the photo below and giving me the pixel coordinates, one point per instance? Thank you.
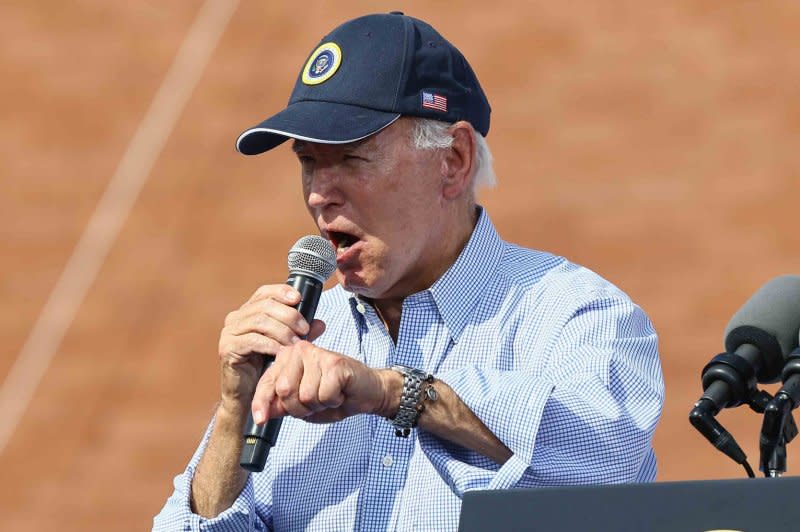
(344, 241)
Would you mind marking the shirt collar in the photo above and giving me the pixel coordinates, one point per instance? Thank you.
(459, 290)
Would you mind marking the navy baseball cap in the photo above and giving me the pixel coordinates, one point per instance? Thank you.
(367, 73)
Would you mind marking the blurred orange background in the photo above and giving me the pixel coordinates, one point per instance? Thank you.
(654, 142)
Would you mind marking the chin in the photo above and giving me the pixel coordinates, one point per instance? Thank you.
(358, 285)
(351, 282)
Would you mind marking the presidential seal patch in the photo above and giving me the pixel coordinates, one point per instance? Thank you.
(323, 63)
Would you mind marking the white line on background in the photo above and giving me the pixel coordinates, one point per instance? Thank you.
(111, 212)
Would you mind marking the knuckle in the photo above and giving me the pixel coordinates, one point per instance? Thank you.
(264, 318)
(284, 390)
(274, 308)
(306, 348)
(267, 291)
(261, 291)
(284, 313)
(251, 343)
(268, 327)
(224, 347)
(332, 361)
(280, 337)
(270, 345)
(261, 321)
(307, 396)
(331, 398)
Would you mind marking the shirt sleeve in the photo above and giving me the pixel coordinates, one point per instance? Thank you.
(240, 517)
(585, 416)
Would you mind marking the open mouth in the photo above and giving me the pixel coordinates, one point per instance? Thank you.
(342, 241)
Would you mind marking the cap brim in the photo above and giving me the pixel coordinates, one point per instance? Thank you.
(312, 121)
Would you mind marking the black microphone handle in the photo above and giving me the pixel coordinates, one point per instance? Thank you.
(718, 393)
(259, 439)
(729, 377)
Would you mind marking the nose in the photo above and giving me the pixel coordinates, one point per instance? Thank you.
(324, 188)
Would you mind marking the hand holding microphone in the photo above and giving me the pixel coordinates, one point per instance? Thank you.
(306, 381)
(311, 262)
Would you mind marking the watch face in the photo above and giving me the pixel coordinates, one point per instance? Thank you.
(419, 374)
(432, 394)
(411, 372)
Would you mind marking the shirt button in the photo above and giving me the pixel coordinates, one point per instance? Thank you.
(360, 308)
(387, 461)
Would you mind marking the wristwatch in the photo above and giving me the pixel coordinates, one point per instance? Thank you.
(417, 387)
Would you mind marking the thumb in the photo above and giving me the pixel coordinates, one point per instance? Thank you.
(315, 330)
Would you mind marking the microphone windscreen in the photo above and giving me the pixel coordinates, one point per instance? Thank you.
(769, 320)
(314, 256)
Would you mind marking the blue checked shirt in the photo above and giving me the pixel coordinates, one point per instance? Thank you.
(558, 363)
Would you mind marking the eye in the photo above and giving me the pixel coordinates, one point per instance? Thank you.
(307, 164)
(305, 160)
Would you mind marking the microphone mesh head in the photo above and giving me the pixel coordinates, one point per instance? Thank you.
(314, 256)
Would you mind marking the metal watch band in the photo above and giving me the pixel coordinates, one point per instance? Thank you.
(410, 400)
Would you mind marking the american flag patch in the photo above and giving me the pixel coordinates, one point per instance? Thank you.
(431, 100)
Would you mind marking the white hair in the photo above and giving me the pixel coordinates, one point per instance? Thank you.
(428, 134)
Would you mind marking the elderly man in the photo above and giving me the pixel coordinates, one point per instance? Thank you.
(511, 367)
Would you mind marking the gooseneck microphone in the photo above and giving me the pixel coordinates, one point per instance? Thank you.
(757, 340)
(311, 260)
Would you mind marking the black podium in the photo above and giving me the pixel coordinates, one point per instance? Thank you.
(747, 505)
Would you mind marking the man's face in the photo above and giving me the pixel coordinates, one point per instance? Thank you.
(379, 202)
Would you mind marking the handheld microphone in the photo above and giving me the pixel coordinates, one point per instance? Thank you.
(757, 340)
(311, 260)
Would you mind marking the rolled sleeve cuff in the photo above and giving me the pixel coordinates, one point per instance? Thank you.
(240, 517)
(511, 405)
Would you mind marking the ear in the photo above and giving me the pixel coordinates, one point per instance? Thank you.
(458, 164)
